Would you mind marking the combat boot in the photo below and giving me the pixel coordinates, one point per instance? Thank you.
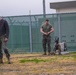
(44, 53)
(1, 61)
(8, 60)
(49, 53)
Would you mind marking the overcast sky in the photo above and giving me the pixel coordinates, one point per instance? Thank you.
(22, 7)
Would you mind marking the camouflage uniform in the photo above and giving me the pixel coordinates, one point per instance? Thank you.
(46, 38)
(3, 47)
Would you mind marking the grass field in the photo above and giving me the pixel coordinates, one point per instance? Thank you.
(38, 64)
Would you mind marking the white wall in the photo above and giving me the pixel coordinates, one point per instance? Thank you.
(66, 10)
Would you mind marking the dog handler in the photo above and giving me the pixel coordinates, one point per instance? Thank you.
(46, 29)
(4, 34)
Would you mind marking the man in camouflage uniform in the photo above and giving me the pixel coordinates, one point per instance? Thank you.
(46, 29)
(4, 33)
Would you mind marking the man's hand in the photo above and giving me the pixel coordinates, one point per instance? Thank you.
(6, 39)
(47, 33)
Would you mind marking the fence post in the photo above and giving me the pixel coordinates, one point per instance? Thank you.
(30, 33)
(59, 25)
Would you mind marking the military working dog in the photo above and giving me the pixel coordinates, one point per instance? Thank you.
(57, 46)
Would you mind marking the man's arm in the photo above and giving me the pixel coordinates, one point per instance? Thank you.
(42, 31)
(51, 30)
(7, 29)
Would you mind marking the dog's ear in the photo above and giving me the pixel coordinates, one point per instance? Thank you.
(58, 38)
(55, 39)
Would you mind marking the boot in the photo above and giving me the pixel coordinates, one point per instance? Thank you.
(8, 60)
(1, 61)
(48, 53)
(44, 53)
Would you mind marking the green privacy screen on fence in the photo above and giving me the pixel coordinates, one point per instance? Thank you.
(25, 33)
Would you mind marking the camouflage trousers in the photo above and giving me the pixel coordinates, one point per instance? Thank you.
(46, 41)
(3, 48)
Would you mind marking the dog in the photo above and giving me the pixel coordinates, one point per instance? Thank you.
(57, 47)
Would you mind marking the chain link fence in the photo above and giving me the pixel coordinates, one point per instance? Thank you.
(25, 33)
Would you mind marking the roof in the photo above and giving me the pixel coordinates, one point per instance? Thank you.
(59, 5)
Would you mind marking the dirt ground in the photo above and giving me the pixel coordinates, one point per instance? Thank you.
(38, 64)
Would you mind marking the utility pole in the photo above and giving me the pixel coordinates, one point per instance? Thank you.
(44, 9)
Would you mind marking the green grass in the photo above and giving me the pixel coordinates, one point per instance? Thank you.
(74, 56)
(68, 56)
(52, 59)
(72, 53)
(32, 60)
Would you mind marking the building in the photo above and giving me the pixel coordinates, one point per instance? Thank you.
(64, 7)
